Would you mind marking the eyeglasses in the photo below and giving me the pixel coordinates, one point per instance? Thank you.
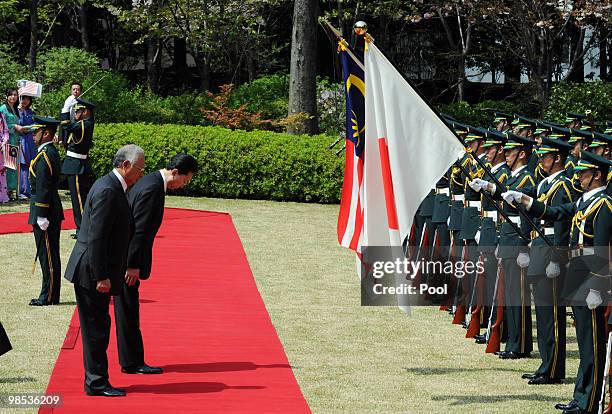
(142, 169)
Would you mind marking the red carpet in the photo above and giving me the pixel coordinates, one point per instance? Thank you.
(203, 321)
(18, 223)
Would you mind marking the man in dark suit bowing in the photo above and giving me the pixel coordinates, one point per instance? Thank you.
(146, 201)
(98, 262)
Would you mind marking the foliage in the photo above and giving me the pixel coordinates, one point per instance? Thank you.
(220, 113)
(593, 96)
(268, 95)
(234, 164)
(330, 106)
(11, 71)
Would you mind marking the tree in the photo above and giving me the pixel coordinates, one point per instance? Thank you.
(535, 33)
(303, 72)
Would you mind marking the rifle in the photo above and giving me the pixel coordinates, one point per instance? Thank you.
(606, 377)
(494, 340)
(474, 325)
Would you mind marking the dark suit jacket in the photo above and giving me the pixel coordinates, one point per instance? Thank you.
(146, 199)
(101, 248)
(44, 180)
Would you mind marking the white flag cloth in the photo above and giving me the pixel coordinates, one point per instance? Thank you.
(420, 147)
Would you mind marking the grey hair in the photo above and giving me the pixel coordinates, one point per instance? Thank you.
(130, 152)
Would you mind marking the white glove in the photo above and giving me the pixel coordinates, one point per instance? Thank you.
(478, 184)
(497, 252)
(448, 221)
(553, 270)
(593, 299)
(522, 260)
(512, 196)
(477, 237)
(43, 223)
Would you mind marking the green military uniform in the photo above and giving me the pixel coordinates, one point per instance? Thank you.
(470, 222)
(551, 315)
(584, 138)
(45, 203)
(76, 164)
(517, 296)
(488, 235)
(588, 271)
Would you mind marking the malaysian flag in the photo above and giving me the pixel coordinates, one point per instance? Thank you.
(29, 88)
(350, 218)
(10, 153)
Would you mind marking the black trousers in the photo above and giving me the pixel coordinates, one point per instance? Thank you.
(550, 323)
(48, 244)
(79, 186)
(518, 308)
(591, 336)
(5, 344)
(127, 320)
(95, 333)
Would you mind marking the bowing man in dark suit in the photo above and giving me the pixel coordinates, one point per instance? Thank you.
(146, 201)
(97, 264)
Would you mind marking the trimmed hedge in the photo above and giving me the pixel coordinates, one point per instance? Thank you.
(233, 164)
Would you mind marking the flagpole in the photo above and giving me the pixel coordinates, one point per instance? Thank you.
(499, 185)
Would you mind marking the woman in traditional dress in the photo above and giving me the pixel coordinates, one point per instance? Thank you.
(28, 147)
(11, 115)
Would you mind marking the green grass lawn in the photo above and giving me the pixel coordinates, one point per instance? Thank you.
(346, 358)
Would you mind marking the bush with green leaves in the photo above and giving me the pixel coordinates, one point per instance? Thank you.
(233, 164)
(579, 98)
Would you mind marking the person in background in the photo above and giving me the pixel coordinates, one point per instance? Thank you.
(11, 115)
(68, 113)
(4, 137)
(28, 148)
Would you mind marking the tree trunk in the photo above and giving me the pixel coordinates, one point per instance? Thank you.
(461, 79)
(201, 61)
(84, 26)
(153, 58)
(603, 53)
(33, 34)
(179, 62)
(303, 74)
(576, 55)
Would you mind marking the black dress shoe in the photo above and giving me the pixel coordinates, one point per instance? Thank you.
(36, 302)
(571, 404)
(481, 340)
(73, 235)
(514, 355)
(107, 392)
(143, 369)
(543, 380)
(529, 376)
(499, 353)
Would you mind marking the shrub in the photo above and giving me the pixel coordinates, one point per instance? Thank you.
(268, 95)
(233, 164)
(581, 97)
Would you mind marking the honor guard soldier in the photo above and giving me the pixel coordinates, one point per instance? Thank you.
(588, 272)
(46, 212)
(546, 268)
(470, 221)
(502, 121)
(513, 249)
(601, 144)
(580, 141)
(77, 166)
(488, 232)
(578, 121)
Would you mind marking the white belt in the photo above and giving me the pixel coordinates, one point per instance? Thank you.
(458, 197)
(491, 214)
(76, 155)
(549, 231)
(515, 219)
(444, 191)
(476, 204)
(584, 251)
